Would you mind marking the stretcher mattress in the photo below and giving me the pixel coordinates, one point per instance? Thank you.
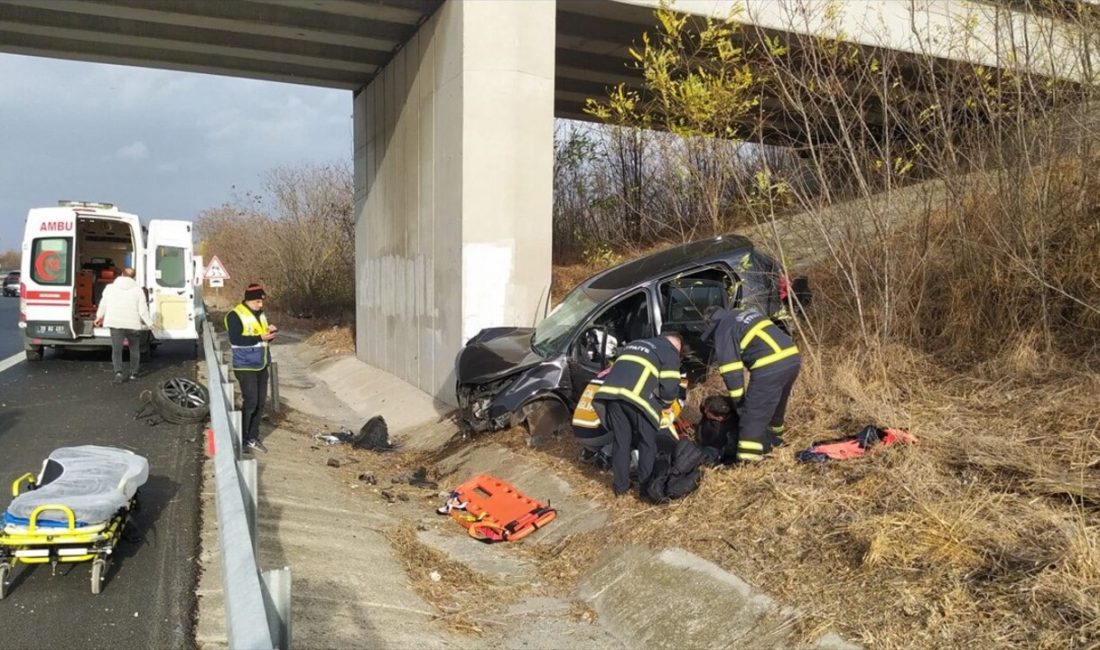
(93, 481)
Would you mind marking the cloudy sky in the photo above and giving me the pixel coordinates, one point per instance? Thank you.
(156, 143)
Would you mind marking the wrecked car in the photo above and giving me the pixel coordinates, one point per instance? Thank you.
(509, 375)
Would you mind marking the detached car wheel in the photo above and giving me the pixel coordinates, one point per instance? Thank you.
(182, 401)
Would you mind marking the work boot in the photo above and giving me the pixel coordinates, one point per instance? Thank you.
(255, 445)
(117, 379)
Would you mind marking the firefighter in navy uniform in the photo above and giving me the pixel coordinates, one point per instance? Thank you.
(745, 339)
(644, 381)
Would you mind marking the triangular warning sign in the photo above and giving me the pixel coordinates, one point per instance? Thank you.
(215, 270)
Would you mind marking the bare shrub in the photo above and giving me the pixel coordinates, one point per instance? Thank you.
(297, 237)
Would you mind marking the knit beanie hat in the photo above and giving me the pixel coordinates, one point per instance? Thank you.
(254, 292)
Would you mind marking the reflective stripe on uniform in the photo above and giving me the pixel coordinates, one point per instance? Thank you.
(751, 445)
(632, 396)
(778, 353)
(730, 367)
(777, 430)
(744, 455)
(737, 393)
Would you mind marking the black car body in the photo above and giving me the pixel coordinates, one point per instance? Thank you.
(508, 374)
(11, 283)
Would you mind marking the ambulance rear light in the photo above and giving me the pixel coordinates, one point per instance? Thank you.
(85, 204)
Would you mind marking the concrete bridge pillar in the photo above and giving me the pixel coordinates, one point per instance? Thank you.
(453, 179)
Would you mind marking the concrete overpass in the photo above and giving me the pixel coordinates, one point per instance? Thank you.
(453, 113)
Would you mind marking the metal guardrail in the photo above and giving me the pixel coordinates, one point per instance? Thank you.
(257, 604)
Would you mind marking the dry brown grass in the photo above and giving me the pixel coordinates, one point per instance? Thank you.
(337, 339)
(984, 534)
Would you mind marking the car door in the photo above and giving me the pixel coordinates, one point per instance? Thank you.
(169, 279)
(626, 319)
(683, 301)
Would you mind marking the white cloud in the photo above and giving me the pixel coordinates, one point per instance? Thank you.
(133, 151)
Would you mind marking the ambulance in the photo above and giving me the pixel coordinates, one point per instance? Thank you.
(72, 252)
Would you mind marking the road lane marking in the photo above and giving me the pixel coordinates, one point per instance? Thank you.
(12, 360)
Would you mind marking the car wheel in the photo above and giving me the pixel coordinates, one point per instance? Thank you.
(546, 419)
(182, 401)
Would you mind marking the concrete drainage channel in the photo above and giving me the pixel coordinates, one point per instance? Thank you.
(643, 597)
(376, 567)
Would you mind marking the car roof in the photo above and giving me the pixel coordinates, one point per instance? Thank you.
(670, 260)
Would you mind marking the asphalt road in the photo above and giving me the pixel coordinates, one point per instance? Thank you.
(148, 599)
(11, 339)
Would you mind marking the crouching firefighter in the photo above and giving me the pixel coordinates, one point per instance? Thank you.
(644, 381)
(595, 439)
(745, 339)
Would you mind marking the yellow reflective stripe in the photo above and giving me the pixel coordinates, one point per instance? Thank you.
(751, 334)
(767, 338)
(741, 455)
(778, 429)
(670, 374)
(778, 356)
(730, 367)
(737, 392)
(750, 444)
(586, 424)
(614, 390)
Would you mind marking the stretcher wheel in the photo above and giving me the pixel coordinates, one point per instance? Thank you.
(99, 571)
(5, 573)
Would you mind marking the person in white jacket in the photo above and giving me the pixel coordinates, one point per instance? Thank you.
(123, 309)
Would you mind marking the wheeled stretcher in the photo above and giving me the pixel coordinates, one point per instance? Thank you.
(75, 510)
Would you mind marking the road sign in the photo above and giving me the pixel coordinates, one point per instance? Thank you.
(216, 282)
(216, 271)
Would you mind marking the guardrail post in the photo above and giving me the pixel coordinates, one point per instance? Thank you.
(235, 424)
(251, 490)
(277, 582)
(275, 387)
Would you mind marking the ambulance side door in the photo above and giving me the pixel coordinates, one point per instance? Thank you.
(169, 279)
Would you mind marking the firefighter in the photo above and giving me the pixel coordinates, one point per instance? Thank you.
(594, 437)
(745, 339)
(644, 381)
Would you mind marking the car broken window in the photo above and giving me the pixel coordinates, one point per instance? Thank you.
(556, 329)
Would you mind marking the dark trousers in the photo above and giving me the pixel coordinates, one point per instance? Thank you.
(117, 336)
(253, 397)
(630, 428)
(766, 404)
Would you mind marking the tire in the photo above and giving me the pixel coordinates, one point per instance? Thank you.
(181, 401)
(546, 418)
(5, 575)
(99, 573)
(34, 353)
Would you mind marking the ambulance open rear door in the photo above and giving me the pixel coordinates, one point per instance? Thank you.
(169, 277)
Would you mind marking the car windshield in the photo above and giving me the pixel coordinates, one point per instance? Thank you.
(555, 329)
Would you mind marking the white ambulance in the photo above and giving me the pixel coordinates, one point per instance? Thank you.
(73, 251)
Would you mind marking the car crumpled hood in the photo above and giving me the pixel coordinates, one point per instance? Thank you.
(494, 353)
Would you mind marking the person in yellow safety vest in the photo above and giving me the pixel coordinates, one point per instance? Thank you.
(250, 336)
(745, 339)
(644, 381)
(594, 437)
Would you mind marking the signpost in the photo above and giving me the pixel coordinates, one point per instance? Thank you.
(215, 273)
